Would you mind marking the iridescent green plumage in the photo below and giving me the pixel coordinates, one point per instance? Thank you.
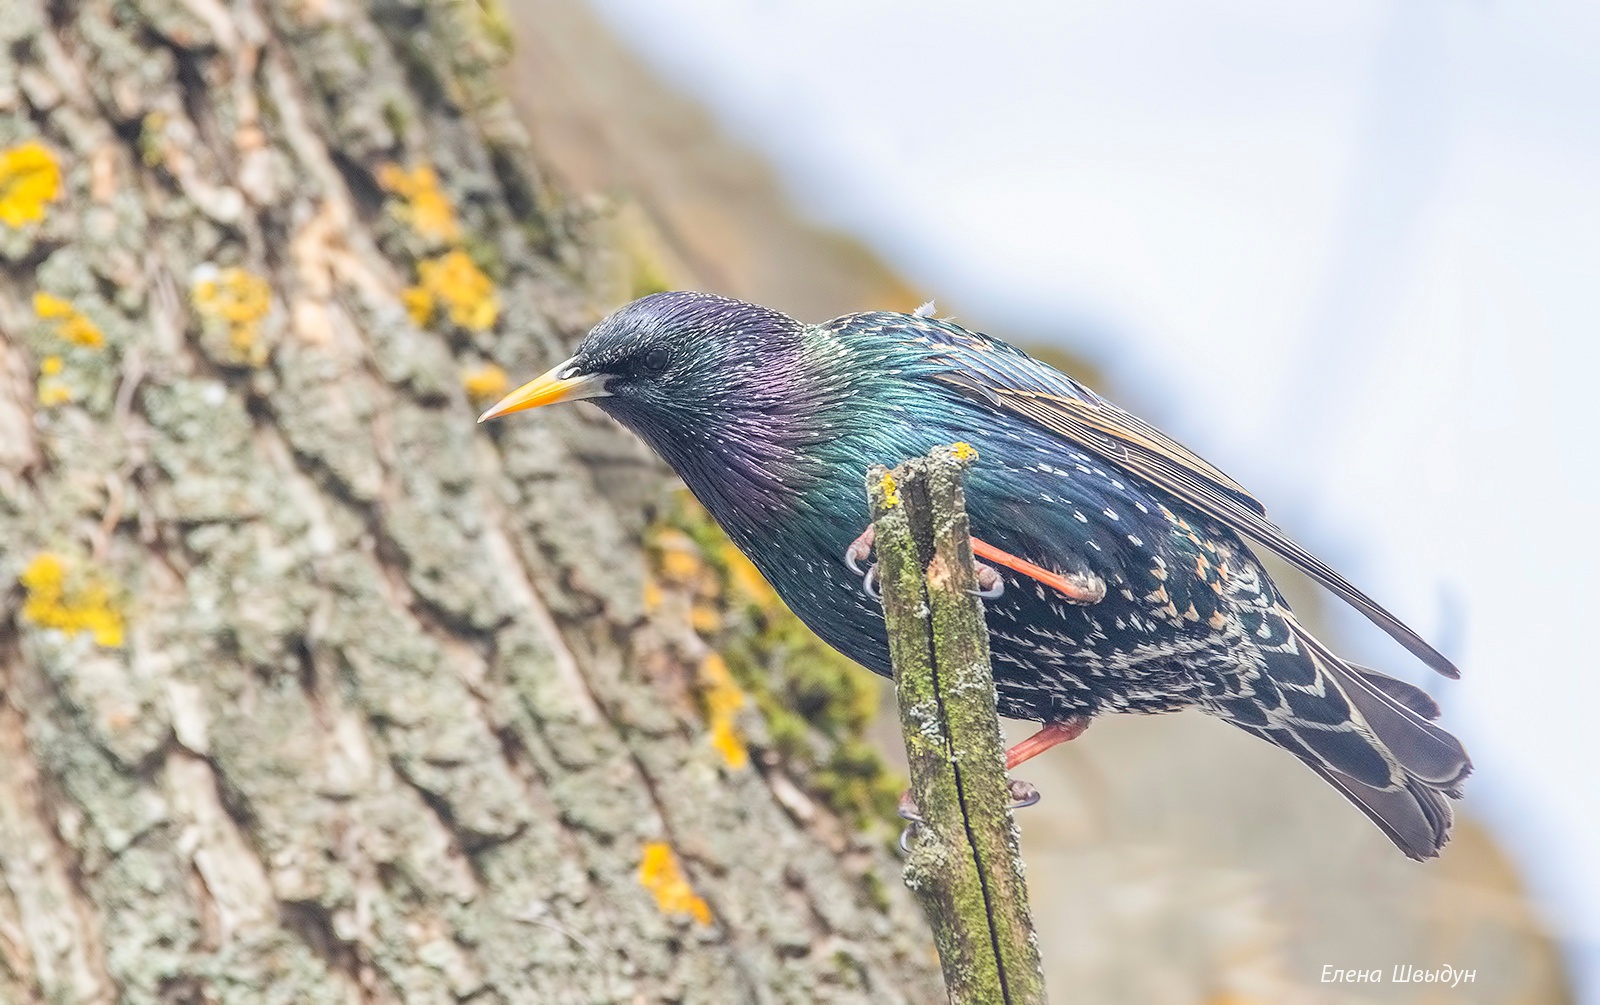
(772, 424)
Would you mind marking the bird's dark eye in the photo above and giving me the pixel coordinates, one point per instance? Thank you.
(656, 359)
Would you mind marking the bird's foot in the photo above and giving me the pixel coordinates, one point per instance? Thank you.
(990, 583)
(1077, 587)
(1023, 794)
(909, 811)
(858, 551)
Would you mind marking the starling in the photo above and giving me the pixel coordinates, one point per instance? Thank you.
(1119, 577)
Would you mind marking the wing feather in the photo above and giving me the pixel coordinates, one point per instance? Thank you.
(1009, 379)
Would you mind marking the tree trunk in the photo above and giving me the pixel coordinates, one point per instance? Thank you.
(313, 691)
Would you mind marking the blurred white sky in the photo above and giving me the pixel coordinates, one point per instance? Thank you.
(1350, 252)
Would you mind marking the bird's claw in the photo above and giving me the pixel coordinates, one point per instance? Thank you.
(908, 810)
(990, 583)
(858, 551)
(1023, 794)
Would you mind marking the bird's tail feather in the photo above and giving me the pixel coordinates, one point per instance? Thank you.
(1407, 694)
(1370, 735)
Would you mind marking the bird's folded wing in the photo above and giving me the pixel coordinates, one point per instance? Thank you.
(1045, 396)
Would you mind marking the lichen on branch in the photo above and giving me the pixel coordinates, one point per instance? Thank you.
(71, 597)
(663, 876)
(30, 179)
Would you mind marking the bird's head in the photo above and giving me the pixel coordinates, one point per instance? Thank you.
(689, 372)
(671, 357)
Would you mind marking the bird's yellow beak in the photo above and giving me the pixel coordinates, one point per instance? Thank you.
(558, 383)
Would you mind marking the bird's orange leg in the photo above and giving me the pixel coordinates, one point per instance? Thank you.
(1023, 793)
(1084, 588)
(1078, 589)
(1052, 734)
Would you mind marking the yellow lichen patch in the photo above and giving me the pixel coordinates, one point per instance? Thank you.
(53, 390)
(454, 281)
(660, 873)
(418, 303)
(70, 600)
(891, 492)
(29, 178)
(679, 561)
(723, 699)
(704, 618)
(652, 595)
(239, 301)
(964, 451)
(648, 274)
(496, 25)
(70, 323)
(746, 580)
(486, 383)
(152, 139)
(422, 205)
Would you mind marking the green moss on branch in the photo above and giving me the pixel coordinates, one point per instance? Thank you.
(964, 866)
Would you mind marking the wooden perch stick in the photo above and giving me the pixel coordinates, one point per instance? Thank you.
(964, 864)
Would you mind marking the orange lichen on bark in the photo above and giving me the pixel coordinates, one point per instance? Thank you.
(70, 600)
(238, 300)
(724, 699)
(660, 873)
(30, 178)
(421, 203)
(486, 383)
(453, 281)
(70, 324)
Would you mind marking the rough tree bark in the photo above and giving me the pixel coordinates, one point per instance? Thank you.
(311, 691)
